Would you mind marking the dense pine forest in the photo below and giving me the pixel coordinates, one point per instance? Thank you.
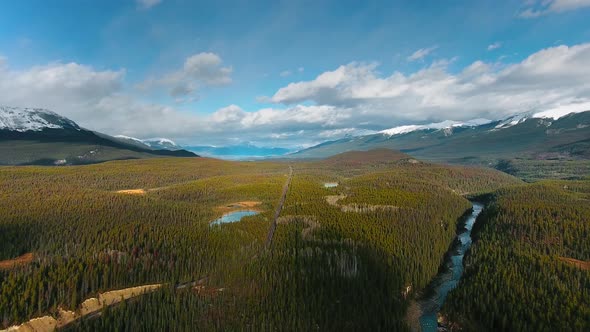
(528, 269)
(356, 251)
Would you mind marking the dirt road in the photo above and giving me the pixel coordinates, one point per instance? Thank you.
(273, 227)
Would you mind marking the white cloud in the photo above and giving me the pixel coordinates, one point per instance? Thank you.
(299, 116)
(352, 99)
(421, 53)
(50, 84)
(494, 46)
(552, 76)
(536, 8)
(94, 99)
(199, 70)
(285, 73)
(147, 4)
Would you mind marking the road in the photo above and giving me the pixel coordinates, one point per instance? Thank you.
(273, 226)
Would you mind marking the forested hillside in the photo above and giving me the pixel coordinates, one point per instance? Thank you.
(529, 267)
(357, 251)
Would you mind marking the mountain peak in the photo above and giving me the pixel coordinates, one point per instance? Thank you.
(32, 119)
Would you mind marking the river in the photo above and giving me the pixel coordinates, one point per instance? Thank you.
(445, 281)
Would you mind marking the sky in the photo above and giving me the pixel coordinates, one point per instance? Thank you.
(290, 73)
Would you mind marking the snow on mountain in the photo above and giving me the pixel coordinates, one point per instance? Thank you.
(32, 119)
(513, 120)
(563, 110)
(448, 124)
(554, 114)
(129, 138)
(160, 141)
(508, 122)
(402, 130)
(154, 143)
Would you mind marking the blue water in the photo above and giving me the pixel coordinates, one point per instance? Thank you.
(233, 217)
(447, 280)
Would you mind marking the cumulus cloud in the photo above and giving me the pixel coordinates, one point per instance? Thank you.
(94, 99)
(549, 77)
(299, 117)
(50, 84)
(199, 70)
(421, 53)
(536, 8)
(494, 46)
(147, 4)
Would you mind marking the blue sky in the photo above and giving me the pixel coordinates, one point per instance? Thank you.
(123, 66)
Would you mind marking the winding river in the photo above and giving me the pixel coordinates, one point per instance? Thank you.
(448, 279)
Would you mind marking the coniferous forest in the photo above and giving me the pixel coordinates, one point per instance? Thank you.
(528, 269)
(351, 256)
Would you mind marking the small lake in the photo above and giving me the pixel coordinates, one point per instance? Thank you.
(448, 279)
(233, 217)
(330, 184)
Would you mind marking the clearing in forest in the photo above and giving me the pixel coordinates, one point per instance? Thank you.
(90, 306)
(576, 262)
(132, 192)
(18, 261)
(250, 205)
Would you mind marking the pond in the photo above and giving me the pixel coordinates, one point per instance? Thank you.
(330, 184)
(234, 216)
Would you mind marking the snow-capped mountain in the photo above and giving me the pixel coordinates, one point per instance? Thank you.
(448, 124)
(161, 144)
(39, 136)
(555, 133)
(512, 120)
(154, 143)
(32, 119)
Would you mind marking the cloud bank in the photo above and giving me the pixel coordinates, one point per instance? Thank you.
(352, 99)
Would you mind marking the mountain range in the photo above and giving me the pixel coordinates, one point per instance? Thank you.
(534, 136)
(39, 136)
(34, 136)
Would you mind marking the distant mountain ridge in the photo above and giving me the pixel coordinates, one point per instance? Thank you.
(539, 135)
(30, 136)
(239, 151)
